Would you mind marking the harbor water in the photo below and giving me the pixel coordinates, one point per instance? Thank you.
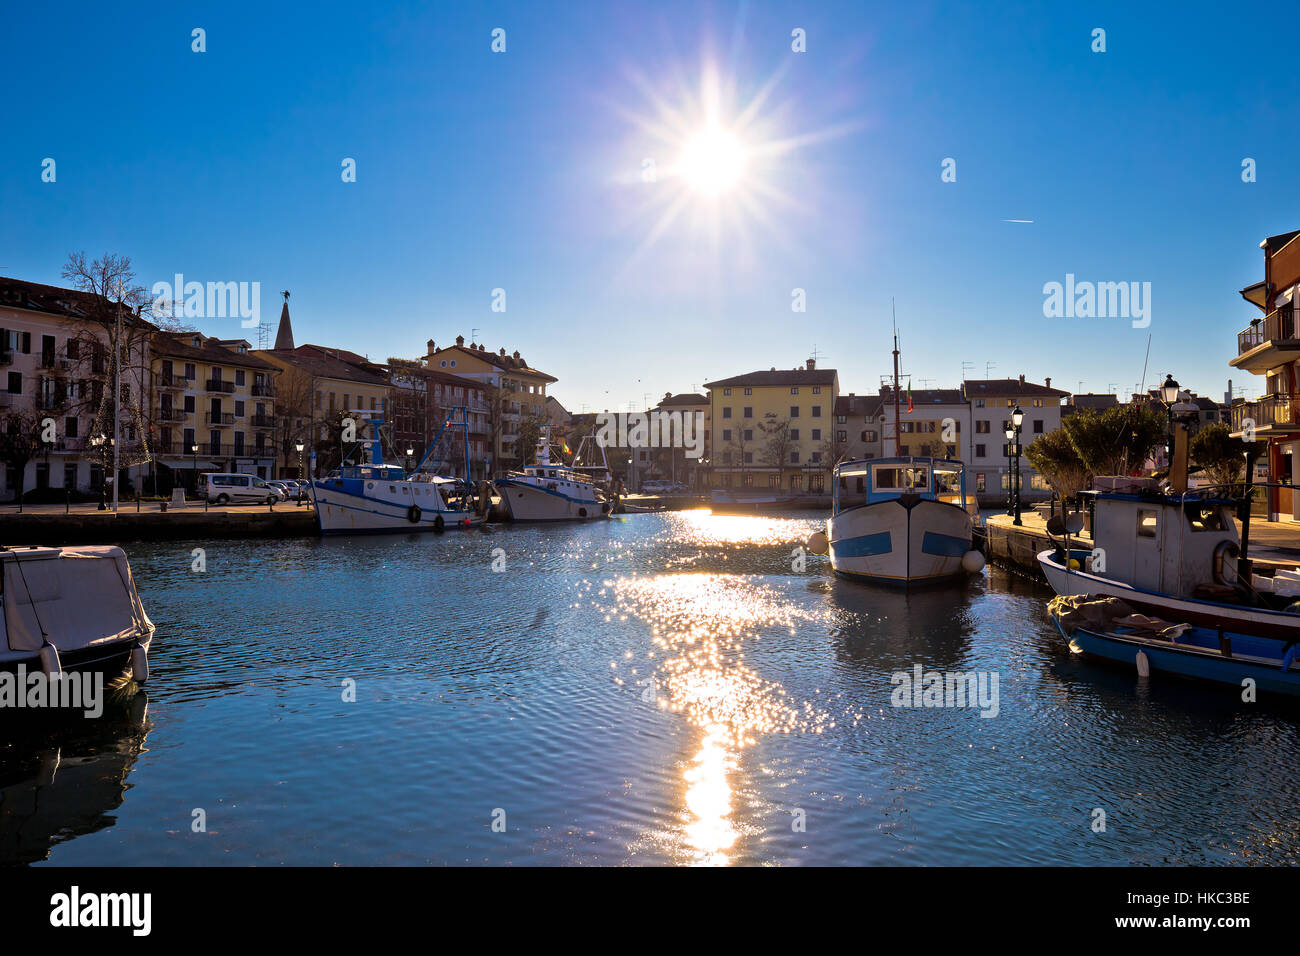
(655, 688)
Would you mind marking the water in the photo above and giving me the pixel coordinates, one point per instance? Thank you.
(654, 689)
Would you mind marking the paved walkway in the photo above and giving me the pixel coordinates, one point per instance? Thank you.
(10, 511)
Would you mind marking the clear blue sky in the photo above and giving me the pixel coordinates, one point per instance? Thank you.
(522, 171)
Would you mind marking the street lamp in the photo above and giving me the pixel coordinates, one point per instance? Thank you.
(1011, 434)
(194, 466)
(299, 446)
(98, 442)
(1169, 392)
(1017, 417)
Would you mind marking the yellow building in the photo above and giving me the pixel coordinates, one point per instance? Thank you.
(774, 429)
(516, 394)
(212, 407)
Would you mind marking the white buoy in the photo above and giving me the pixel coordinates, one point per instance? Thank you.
(972, 562)
(817, 543)
(50, 660)
(1144, 665)
(139, 664)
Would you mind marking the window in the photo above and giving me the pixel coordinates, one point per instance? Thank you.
(794, 411)
(794, 457)
(979, 403)
(869, 436)
(841, 436)
(840, 419)
(817, 389)
(239, 409)
(47, 351)
(816, 456)
(749, 434)
(1147, 523)
(816, 434)
(15, 383)
(189, 404)
(794, 390)
(774, 481)
(816, 411)
(749, 457)
(980, 482)
(726, 411)
(749, 391)
(70, 426)
(726, 434)
(189, 371)
(979, 451)
(1038, 426)
(748, 411)
(726, 392)
(982, 427)
(239, 376)
(793, 434)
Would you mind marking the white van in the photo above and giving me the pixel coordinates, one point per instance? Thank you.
(224, 489)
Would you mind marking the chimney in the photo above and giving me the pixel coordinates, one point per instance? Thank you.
(502, 353)
(1022, 378)
(460, 340)
(1048, 381)
(432, 348)
(812, 364)
(516, 353)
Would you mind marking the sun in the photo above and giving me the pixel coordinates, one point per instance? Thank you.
(713, 161)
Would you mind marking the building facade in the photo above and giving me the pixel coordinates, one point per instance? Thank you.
(991, 404)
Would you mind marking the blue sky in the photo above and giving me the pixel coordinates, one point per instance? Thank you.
(523, 171)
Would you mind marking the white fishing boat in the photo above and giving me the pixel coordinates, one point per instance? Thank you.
(376, 498)
(72, 609)
(915, 524)
(553, 491)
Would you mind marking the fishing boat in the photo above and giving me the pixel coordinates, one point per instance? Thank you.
(550, 490)
(1112, 629)
(376, 497)
(914, 524)
(72, 609)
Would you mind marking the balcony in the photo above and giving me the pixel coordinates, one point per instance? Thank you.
(1267, 343)
(209, 450)
(262, 421)
(171, 382)
(1271, 415)
(51, 403)
(6, 358)
(171, 414)
(263, 390)
(219, 385)
(219, 418)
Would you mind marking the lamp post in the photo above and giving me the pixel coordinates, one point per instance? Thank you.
(98, 442)
(301, 474)
(1010, 433)
(1169, 392)
(1017, 417)
(194, 466)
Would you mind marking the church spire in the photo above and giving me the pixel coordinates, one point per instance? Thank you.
(284, 334)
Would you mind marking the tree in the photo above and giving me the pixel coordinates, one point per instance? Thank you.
(20, 441)
(1218, 453)
(1116, 441)
(776, 440)
(1055, 458)
(295, 393)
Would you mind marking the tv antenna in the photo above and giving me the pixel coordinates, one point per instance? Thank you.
(987, 366)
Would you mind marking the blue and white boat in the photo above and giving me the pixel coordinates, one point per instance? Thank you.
(553, 491)
(1108, 628)
(376, 497)
(913, 524)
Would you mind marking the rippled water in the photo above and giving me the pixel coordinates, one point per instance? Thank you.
(652, 689)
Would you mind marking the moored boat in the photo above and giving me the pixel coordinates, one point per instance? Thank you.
(72, 609)
(550, 490)
(722, 501)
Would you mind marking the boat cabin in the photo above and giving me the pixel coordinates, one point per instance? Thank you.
(377, 472)
(886, 479)
(1167, 543)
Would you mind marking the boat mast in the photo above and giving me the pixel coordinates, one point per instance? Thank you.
(898, 422)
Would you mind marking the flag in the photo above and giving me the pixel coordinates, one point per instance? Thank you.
(909, 396)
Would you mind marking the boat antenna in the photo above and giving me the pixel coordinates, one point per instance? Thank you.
(898, 421)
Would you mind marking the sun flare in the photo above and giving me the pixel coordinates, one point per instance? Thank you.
(712, 161)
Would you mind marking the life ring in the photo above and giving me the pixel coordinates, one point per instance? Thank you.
(1226, 551)
(439, 524)
(413, 514)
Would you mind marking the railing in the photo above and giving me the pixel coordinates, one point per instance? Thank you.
(171, 414)
(169, 380)
(208, 449)
(1277, 326)
(262, 421)
(50, 402)
(1271, 410)
(219, 418)
(219, 385)
(6, 358)
(263, 389)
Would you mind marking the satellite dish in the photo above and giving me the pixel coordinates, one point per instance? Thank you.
(1059, 525)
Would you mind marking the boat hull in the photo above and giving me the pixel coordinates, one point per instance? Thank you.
(1212, 614)
(340, 510)
(900, 542)
(1192, 662)
(524, 501)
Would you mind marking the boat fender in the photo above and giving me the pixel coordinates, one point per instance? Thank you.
(817, 543)
(1226, 552)
(139, 664)
(439, 524)
(582, 512)
(972, 562)
(1143, 665)
(413, 514)
(1289, 657)
(50, 663)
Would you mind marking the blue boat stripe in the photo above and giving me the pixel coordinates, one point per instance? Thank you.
(863, 545)
(944, 545)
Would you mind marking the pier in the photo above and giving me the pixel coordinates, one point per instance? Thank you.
(57, 525)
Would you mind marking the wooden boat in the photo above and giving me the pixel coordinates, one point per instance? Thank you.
(725, 502)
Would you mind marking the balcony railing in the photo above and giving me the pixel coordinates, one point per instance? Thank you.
(169, 381)
(50, 402)
(220, 385)
(262, 421)
(263, 389)
(1270, 410)
(1277, 326)
(208, 449)
(171, 414)
(219, 418)
(6, 358)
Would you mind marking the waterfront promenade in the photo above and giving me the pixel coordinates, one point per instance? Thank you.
(55, 524)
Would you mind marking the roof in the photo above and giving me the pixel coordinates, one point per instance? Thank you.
(55, 300)
(1094, 400)
(791, 377)
(508, 363)
(316, 361)
(923, 396)
(1004, 387)
(684, 398)
(1274, 243)
(853, 405)
(284, 333)
(180, 345)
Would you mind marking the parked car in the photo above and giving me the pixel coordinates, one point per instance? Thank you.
(655, 487)
(228, 488)
(281, 488)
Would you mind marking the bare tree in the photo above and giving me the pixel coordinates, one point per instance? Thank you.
(20, 442)
(295, 392)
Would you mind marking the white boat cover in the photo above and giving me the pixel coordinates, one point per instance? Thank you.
(72, 597)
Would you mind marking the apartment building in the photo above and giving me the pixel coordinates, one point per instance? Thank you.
(56, 368)
(422, 401)
(515, 391)
(212, 408)
(774, 429)
(674, 464)
(859, 426)
(988, 465)
(1269, 346)
(931, 422)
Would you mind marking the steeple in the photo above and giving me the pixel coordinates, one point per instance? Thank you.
(284, 334)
